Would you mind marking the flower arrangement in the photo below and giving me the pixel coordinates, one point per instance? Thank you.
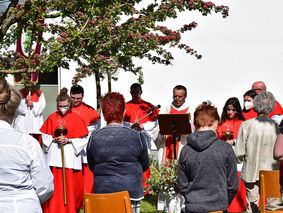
(163, 178)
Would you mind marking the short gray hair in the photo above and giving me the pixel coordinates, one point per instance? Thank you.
(264, 103)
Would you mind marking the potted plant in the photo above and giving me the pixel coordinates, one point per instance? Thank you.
(163, 182)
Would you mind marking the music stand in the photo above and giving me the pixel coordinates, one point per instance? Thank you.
(174, 124)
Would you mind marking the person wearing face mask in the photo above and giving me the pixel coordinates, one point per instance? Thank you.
(248, 110)
(74, 140)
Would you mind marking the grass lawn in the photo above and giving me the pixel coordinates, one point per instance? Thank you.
(149, 203)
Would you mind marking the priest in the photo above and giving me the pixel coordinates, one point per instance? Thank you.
(165, 143)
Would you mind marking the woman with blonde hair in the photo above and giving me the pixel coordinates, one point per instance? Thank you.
(25, 178)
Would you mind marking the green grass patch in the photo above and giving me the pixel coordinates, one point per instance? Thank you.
(149, 203)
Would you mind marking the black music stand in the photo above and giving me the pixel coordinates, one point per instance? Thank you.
(174, 124)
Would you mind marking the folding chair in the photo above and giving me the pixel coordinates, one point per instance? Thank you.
(269, 187)
(118, 202)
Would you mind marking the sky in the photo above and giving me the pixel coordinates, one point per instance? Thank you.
(245, 47)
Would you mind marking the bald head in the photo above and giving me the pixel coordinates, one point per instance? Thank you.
(258, 86)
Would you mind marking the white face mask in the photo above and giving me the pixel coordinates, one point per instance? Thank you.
(63, 109)
(248, 105)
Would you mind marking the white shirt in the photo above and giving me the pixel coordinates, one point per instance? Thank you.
(30, 119)
(25, 178)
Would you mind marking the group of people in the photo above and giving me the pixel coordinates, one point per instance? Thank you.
(81, 157)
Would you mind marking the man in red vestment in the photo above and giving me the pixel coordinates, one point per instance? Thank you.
(137, 109)
(260, 86)
(178, 106)
(73, 138)
(92, 121)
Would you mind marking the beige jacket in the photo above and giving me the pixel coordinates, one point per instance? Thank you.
(254, 147)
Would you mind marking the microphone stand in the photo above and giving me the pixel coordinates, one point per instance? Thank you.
(140, 119)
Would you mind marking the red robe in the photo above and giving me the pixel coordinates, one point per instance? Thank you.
(239, 202)
(87, 113)
(250, 114)
(169, 143)
(136, 110)
(35, 94)
(76, 128)
(229, 125)
(277, 110)
(89, 116)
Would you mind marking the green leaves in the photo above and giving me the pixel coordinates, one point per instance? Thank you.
(163, 178)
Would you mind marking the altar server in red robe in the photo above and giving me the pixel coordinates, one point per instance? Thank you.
(74, 140)
(248, 110)
(260, 86)
(138, 108)
(92, 121)
(231, 119)
(165, 143)
(229, 125)
(29, 115)
(135, 110)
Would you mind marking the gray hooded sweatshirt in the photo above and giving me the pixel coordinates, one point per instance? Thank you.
(207, 173)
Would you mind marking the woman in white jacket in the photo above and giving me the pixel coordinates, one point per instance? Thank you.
(25, 179)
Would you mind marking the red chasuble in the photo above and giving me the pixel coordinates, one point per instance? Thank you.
(35, 94)
(229, 125)
(87, 113)
(76, 128)
(250, 114)
(169, 144)
(134, 111)
(137, 109)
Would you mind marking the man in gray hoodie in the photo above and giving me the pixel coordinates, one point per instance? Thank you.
(207, 169)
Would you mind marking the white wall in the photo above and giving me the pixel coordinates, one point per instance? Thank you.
(243, 48)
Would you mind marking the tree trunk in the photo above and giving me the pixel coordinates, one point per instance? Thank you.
(98, 92)
(109, 77)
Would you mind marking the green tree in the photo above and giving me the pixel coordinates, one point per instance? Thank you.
(91, 32)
